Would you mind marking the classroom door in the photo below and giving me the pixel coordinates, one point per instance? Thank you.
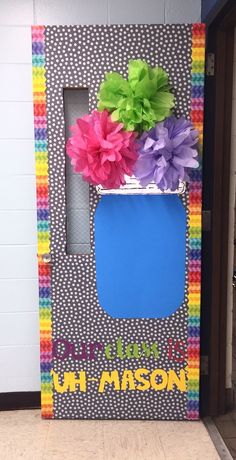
(119, 273)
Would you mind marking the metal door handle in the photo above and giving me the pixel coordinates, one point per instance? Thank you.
(46, 258)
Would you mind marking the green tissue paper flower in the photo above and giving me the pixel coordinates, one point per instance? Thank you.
(140, 101)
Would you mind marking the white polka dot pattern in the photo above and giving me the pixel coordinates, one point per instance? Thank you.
(78, 56)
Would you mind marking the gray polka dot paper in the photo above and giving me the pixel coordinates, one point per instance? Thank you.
(101, 367)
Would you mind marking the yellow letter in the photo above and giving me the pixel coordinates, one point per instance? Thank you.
(139, 377)
(81, 381)
(173, 379)
(109, 377)
(127, 378)
(161, 385)
(61, 388)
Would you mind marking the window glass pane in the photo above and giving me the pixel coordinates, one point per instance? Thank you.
(77, 191)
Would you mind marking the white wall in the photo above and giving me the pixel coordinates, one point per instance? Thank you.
(19, 328)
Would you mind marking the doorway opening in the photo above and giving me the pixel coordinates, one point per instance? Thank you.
(218, 332)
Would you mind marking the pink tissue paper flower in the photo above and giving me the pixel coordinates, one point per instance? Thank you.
(101, 150)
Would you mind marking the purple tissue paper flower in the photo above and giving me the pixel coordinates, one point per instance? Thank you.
(166, 153)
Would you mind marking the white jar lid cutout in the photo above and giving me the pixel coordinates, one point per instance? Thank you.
(132, 187)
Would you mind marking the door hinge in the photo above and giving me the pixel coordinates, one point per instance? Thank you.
(204, 365)
(210, 64)
(206, 221)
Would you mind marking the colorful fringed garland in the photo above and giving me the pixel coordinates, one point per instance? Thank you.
(41, 155)
(195, 209)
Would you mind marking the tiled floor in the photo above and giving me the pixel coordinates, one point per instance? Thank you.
(24, 436)
(226, 425)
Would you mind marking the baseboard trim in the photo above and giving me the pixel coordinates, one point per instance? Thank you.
(20, 400)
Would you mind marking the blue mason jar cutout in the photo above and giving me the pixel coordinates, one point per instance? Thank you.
(140, 251)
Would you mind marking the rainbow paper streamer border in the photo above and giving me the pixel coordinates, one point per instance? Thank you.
(44, 270)
(195, 212)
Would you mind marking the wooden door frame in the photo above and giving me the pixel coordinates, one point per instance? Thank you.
(216, 172)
